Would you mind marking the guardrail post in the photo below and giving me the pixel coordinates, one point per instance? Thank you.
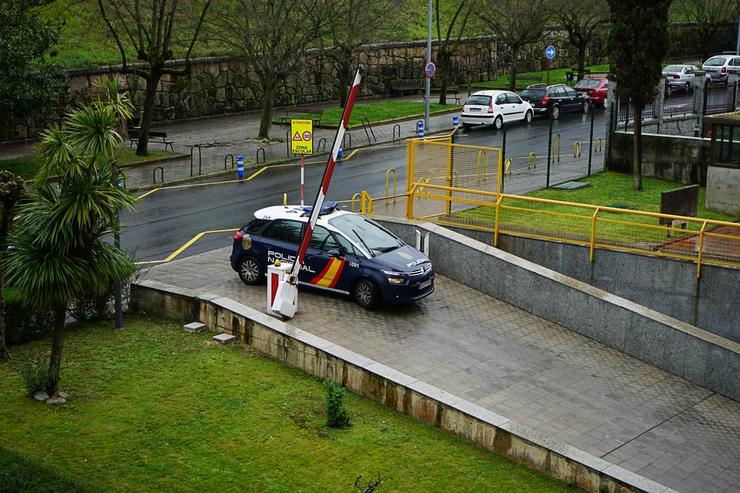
(592, 246)
(701, 247)
(496, 224)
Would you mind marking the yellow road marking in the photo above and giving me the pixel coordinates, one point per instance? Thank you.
(256, 173)
(187, 244)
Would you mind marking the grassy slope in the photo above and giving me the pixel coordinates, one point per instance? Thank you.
(377, 112)
(608, 189)
(557, 76)
(153, 408)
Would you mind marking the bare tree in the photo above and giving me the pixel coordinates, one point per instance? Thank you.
(353, 23)
(273, 37)
(446, 48)
(516, 23)
(582, 22)
(152, 29)
(708, 16)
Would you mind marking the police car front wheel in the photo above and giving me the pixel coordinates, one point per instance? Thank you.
(250, 270)
(365, 293)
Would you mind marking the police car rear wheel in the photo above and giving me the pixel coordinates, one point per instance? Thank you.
(365, 294)
(250, 270)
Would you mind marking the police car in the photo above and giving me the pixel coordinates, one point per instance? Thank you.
(348, 254)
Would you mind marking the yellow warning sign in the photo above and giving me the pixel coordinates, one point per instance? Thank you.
(302, 140)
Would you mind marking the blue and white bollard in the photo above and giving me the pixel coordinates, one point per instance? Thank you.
(455, 121)
(340, 154)
(240, 166)
(420, 129)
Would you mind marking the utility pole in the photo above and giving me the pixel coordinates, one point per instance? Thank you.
(428, 80)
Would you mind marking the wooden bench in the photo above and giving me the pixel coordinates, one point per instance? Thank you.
(452, 93)
(155, 137)
(313, 114)
(405, 87)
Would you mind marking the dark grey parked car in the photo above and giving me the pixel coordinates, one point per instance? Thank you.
(556, 99)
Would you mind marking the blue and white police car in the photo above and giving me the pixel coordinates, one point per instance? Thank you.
(348, 254)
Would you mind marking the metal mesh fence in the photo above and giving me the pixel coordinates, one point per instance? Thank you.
(720, 99)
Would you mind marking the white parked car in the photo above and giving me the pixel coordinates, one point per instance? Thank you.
(679, 78)
(719, 68)
(495, 108)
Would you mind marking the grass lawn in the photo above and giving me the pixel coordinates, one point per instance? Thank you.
(557, 76)
(378, 112)
(27, 166)
(155, 409)
(607, 189)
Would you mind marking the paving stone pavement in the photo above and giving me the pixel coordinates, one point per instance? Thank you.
(522, 367)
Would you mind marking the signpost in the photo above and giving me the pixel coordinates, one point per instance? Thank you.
(550, 53)
(301, 142)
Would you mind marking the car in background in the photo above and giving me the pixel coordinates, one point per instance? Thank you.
(719, 68)
(348, 254)
(556, 99)
(495, 108)
(679, 78)
(595, 87)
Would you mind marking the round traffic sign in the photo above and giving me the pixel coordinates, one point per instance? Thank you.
(306, 135)
(550, 52)
(430, 70)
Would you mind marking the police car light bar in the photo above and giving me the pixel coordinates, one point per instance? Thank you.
(286, 297)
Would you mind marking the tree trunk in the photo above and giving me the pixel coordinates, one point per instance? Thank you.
(637, 148)
(268, 100)
(4, 226)
(512, 72)
(443, 61)
(142, 147)
(344, 82)
(581, 60)
(55, 361)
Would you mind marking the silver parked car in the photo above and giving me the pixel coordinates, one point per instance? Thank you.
(679, 78)
(719, 68)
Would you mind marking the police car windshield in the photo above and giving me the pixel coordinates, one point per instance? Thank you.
(372, 237)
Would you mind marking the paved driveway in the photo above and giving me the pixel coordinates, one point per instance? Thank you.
(522, 367)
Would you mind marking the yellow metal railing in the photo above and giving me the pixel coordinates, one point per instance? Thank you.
(699, 240)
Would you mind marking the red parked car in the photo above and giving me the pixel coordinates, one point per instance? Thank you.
(596, 87)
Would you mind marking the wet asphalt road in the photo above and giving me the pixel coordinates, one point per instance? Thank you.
(165, 220)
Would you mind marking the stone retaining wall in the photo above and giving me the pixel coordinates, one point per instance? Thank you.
(393, 389)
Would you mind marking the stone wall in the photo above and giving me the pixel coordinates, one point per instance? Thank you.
(723, 190)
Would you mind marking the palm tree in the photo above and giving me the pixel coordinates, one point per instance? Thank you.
(60, 249)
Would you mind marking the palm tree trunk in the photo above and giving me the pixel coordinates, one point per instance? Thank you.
(637, 149)
(268, 100)
(55, 361)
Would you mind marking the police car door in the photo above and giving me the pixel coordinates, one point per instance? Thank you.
(325, 264)
(281, 240)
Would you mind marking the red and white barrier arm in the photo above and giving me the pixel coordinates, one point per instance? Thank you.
(324, 188)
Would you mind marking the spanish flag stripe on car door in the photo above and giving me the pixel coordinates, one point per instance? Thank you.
(327, 277)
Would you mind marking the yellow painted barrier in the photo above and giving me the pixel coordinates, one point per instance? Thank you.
(357, 196)
(285, 200)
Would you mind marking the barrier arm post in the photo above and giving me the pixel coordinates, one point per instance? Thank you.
(496, 226)
(592, 246)
(701, 247)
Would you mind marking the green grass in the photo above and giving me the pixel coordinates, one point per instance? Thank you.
(377, 112)
(607, 189)
(152, 408)
(557, 76)
(27, 166)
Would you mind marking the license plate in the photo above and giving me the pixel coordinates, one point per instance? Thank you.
(425, 284)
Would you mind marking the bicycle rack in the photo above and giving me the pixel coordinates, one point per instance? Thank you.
(388, 173)
(357, 196)
(507, 166)
(344, 143)
(557, 136)
(161, 175)
(532, 160)
(321, 146)
(576, 150)
(121, 179)
(200, 158)
(396, 127)
(598, 145)
(264, 159)
(479, 166)
(365, 126)
(226, 159)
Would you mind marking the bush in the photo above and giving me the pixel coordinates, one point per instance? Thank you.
(34, 371)
(23, 324)
(336, 414)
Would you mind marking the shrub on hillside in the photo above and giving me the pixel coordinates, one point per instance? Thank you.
(336, 414)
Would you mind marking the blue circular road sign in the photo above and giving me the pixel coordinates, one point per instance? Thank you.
(430, 70)
(550, 52)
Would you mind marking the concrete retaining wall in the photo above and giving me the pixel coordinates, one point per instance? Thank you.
(666, 285)
(669, 157)
(665, 342)
(396, 390)
(723, 190)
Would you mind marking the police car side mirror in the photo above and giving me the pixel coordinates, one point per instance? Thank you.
(334, 253)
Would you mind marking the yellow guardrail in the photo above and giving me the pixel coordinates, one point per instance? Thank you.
(699, 240)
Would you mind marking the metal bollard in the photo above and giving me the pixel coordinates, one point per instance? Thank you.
(240, 166)
(420, 129)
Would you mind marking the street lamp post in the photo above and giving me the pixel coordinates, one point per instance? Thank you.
(428, 80)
